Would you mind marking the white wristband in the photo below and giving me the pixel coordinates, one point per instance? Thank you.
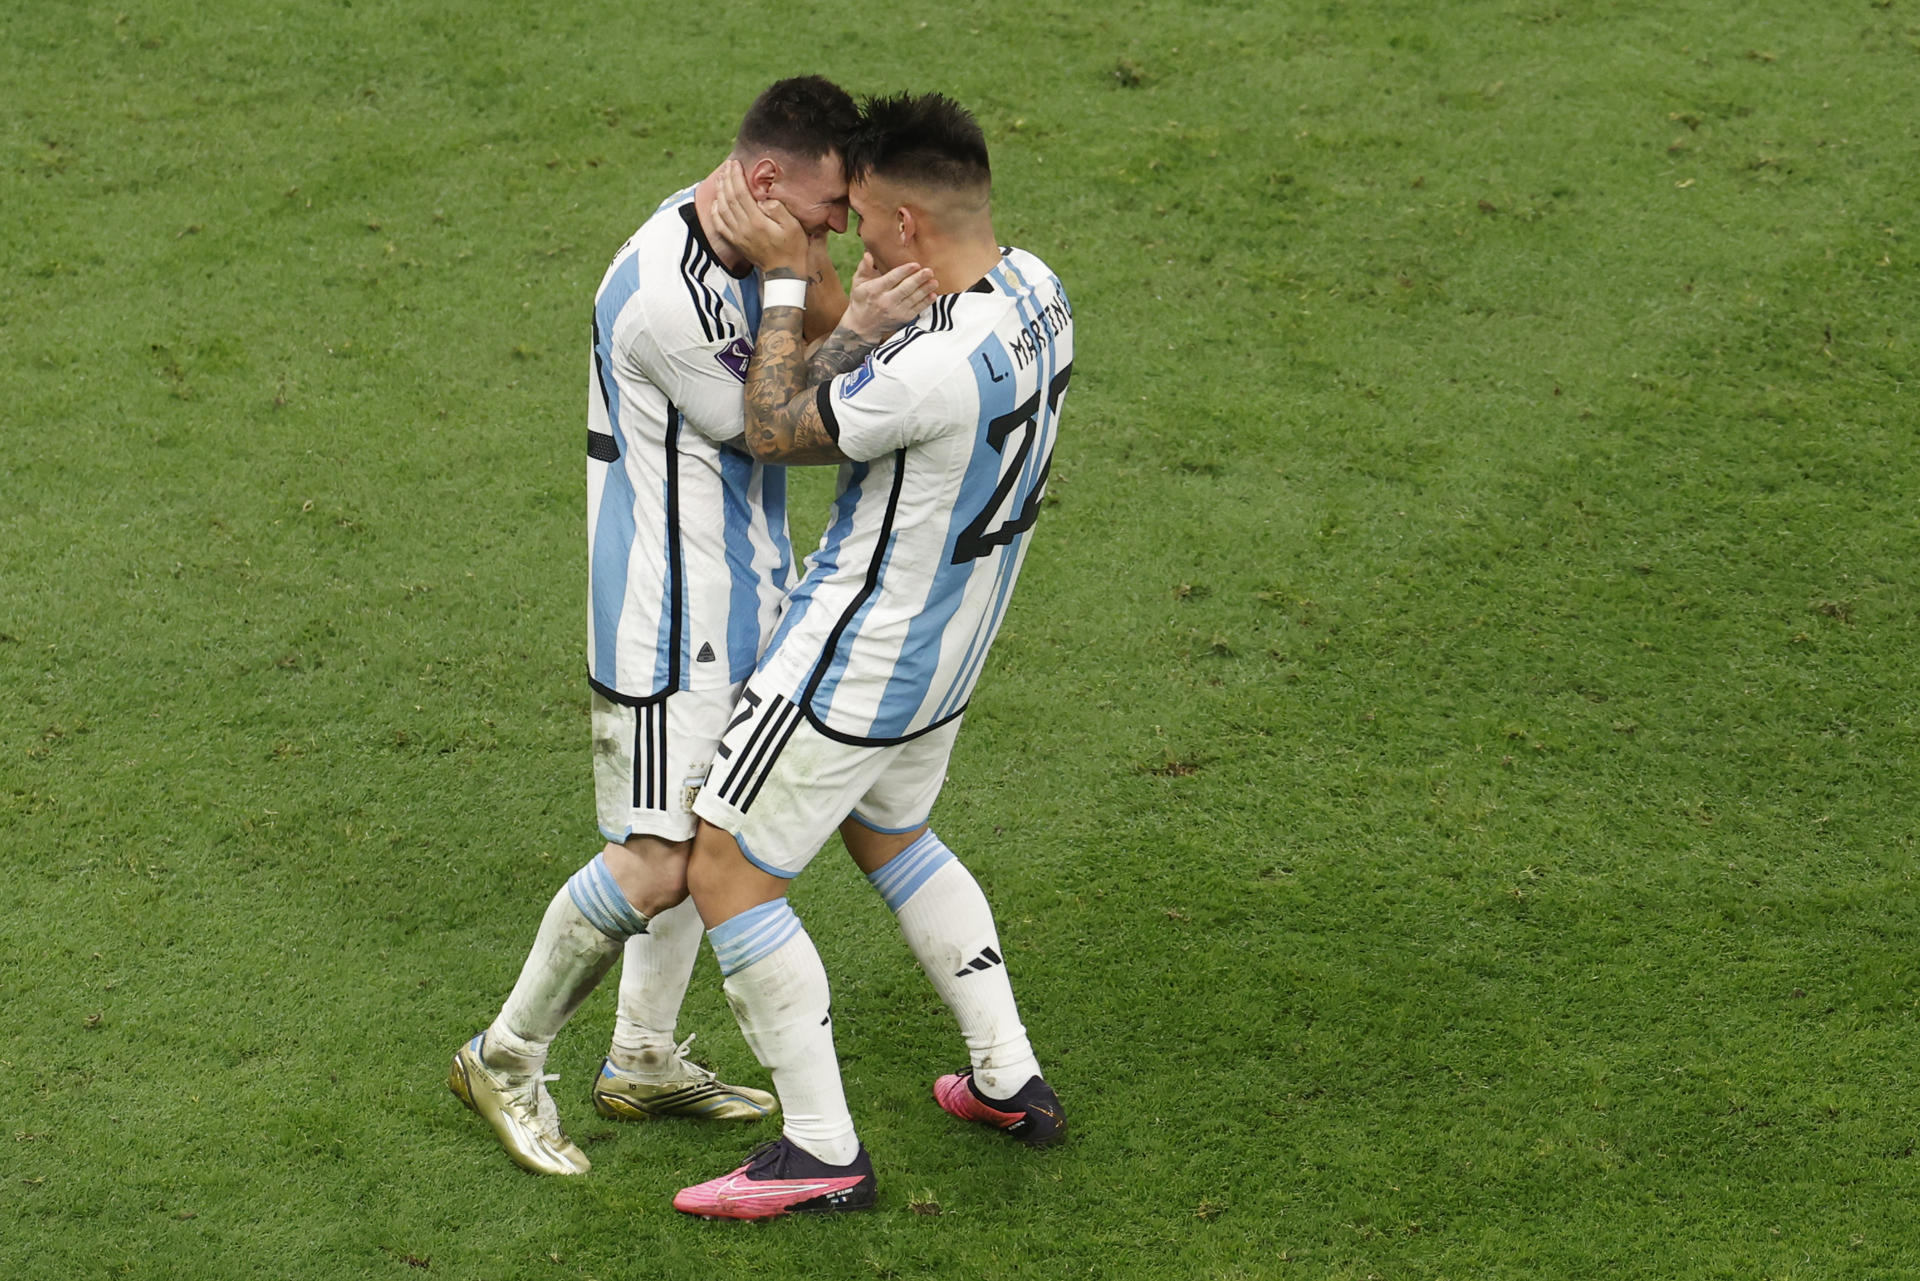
(785, 292)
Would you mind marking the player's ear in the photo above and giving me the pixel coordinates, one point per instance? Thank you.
(761, 175)
(909, 225)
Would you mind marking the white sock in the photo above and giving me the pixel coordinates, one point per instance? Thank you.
(653, 982)
(949, 926)
(778, 990)
(578, 942)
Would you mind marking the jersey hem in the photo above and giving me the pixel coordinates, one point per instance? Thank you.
(613, 695)
(857, 740)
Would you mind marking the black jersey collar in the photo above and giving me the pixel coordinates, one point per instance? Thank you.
(690, 213)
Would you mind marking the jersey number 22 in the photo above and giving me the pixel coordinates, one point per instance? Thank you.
(977, 540)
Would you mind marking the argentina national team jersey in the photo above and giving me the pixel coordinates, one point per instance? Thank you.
(686, 535)
(952, 422)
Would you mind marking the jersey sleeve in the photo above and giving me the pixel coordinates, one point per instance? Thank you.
(701, 374)
(890, 402)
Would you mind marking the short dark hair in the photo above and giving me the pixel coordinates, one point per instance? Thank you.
(803, 116)
(921, 138)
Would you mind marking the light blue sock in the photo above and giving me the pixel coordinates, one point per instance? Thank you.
(757, 932)
(908, 870)
(602, 901)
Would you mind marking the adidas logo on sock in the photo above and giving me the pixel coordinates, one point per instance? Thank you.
(705, 655)
(987, 959)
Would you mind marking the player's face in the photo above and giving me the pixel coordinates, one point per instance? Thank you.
(815, 193)
(877, 207)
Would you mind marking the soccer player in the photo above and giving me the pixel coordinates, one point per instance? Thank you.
(689, 562)
(944, 435)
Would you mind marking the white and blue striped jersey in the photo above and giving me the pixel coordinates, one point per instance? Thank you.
(952, 421)
(687, 542)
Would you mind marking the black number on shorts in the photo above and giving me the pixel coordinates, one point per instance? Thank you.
(749, 701)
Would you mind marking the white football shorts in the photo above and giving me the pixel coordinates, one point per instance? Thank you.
(781, 787)
(650, 760)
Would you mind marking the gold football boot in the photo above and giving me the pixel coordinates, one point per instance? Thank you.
(691, 1090)
(520, 1111)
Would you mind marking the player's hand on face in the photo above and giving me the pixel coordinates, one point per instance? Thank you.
(763, 230)
(882, 302)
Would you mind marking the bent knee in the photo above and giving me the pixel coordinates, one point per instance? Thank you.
(723, 883)
(652, 873)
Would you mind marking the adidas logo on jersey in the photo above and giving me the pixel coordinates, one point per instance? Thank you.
(706, 653)
(987, 959)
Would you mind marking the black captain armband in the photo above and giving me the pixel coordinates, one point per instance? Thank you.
(823, 397)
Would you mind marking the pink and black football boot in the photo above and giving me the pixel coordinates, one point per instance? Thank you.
(782, 1178)
(1033, 1115)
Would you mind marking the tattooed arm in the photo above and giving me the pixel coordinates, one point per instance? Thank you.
(783, 422)
(782, 407)
(835, 354)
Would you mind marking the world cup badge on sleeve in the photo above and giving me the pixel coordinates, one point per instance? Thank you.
(857, 379)
(734, 357)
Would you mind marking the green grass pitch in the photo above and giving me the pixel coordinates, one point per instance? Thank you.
(1447, 781)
